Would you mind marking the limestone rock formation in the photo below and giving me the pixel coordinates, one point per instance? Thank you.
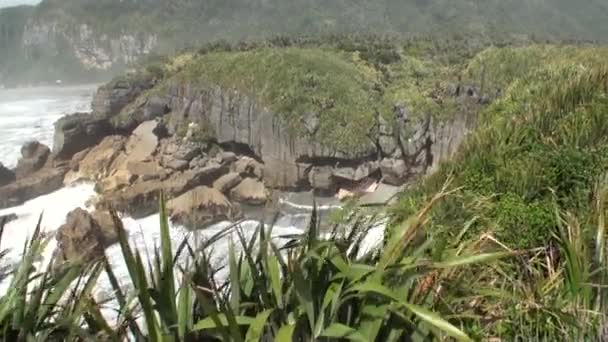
(76, 132)
(84, 237)
(6, 176)
(201, 207)
(394, 171)
(33, 157)
(250, 191)
(97, 163)
(143, 142)
(111, 98)
(44, 181)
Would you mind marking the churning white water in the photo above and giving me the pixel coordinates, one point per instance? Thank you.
(28, 114)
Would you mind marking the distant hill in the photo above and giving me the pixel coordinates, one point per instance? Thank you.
(84, 37)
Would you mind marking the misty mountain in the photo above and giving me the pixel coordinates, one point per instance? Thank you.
(98, 36)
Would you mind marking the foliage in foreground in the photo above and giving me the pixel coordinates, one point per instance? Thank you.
(310, 288)
(542, 145)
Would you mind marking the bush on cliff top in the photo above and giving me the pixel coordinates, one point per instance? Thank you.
(544, 142)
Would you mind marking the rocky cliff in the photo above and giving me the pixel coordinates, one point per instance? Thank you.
(220, 129)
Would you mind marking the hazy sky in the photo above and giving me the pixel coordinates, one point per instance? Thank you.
(8, 3)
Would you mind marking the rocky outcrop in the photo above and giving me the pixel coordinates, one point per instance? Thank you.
(84, 237)
(201, 207)
(6, 175)
(97, 162)
(143, 142)
(416, 139)
(111, 98)
(77, 132)
(41, 182)
(227, 182)
(33, 157)
(250, 191)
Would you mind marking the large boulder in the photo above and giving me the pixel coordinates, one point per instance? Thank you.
(250, 191)
(6, 175)
(201, 207)
(143, 142)
(97, 163)
(248, 166)
(33, 157)
(77, 132)
(84, 237)
(39, 183)
(141, 198)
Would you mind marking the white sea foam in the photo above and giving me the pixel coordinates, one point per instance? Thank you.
(29, 114)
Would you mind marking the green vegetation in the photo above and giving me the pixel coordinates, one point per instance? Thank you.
(344, 83)
(543, 145)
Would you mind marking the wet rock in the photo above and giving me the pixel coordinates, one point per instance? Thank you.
(33, 157)
(227, 182)
(394, 171)
(201, 207)
(248, 166)
(39, 183)
(6, 176)
(84, 237)
(74, 133)
(250, 191)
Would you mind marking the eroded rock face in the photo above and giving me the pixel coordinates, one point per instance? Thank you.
(6, 175)
(202, 206)
(33, 157)
(143, 142)
(84, 237)
(77, 132)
